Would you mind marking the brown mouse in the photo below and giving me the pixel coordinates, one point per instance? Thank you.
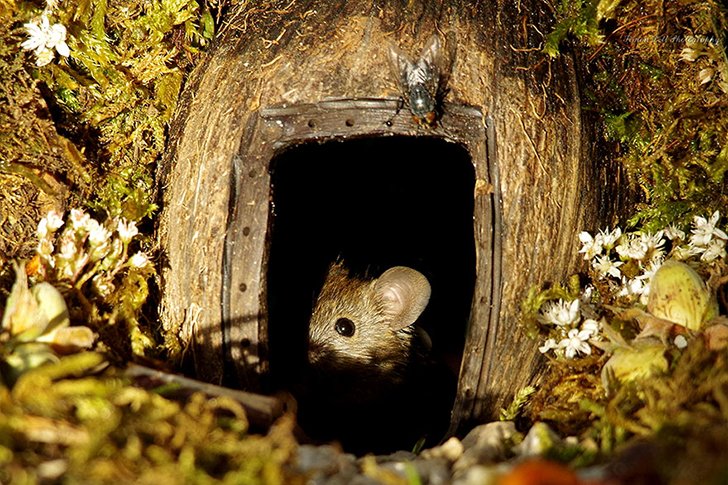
(372, 385)
(369, 323)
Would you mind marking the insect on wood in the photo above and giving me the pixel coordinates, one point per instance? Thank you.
(423, 82)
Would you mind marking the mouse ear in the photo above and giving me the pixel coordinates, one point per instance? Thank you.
(404, 294)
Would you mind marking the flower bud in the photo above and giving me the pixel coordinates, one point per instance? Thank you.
(679, 294)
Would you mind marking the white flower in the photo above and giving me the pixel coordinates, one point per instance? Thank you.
(45, 248)
(609, 240)
(636, 286)
(590, 327)
(55, 220)
(590, 246)
(79, 218)
(43, 38)
(587, 309)
(671, 232)
(576, 343)
(632, 247)
(549, 344)
(98, 234)
(705, 230)
(683, 252)
(654, 243)
(560, 313)
(706, 75)
(688, 54)
(680, 342)
(43, 57)
(42, 230)
(594, 246)
(51, 4)
(715, 250)
(605, 266)
(139, 260)
(127, 230)
(49, 224)
(68, 249)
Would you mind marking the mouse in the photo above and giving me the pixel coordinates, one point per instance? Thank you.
(369, 323)
(370, 369)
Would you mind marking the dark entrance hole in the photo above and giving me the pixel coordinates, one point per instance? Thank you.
(374, 203)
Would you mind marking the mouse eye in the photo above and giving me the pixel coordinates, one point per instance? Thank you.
(344, 327)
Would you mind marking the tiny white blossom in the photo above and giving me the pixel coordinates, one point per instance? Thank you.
(127, 230)
(43, 57)
(654, 243)
(610, 239)
(672, 232)
(43, 38)
(635, 286)
(139, 260)
(684, 252)
(680, 342)
(549, 344)
(590, 246)
(705, 229)
(51, 4)
(587, 309)
(68, 249)
(98, 234)
(632, 247)
(49, 224)
(576, 343)
(715, 250)
(605, 266)
(45, 248)
(706, 75)
(590, 327)
(79, 218)
(560, 313)
(42, 230)
(55, 220)
(689, 55)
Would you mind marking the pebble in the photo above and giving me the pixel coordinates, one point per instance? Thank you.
(486, 454)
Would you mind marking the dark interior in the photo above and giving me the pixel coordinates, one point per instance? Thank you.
(375, 203)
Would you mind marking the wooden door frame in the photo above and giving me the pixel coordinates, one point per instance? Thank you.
(244, 295)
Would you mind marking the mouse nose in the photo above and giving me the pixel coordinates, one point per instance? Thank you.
(316, 353)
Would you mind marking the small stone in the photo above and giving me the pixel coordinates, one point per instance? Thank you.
(487, 443)
(397, 456)
(325, 464)
(433, 471)
(451, 450)
(539, 440)
(481, 475)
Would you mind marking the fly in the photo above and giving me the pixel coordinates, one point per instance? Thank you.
(423, 82)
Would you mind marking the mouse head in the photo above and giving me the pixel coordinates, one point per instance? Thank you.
(367, 322)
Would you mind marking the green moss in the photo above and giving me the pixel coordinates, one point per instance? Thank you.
(103, 429)
(669, 128)
(121, 84)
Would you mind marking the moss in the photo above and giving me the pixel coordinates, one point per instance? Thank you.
(103, 429)
(667, 126)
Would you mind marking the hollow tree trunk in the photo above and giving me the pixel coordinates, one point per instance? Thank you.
(286, 54)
